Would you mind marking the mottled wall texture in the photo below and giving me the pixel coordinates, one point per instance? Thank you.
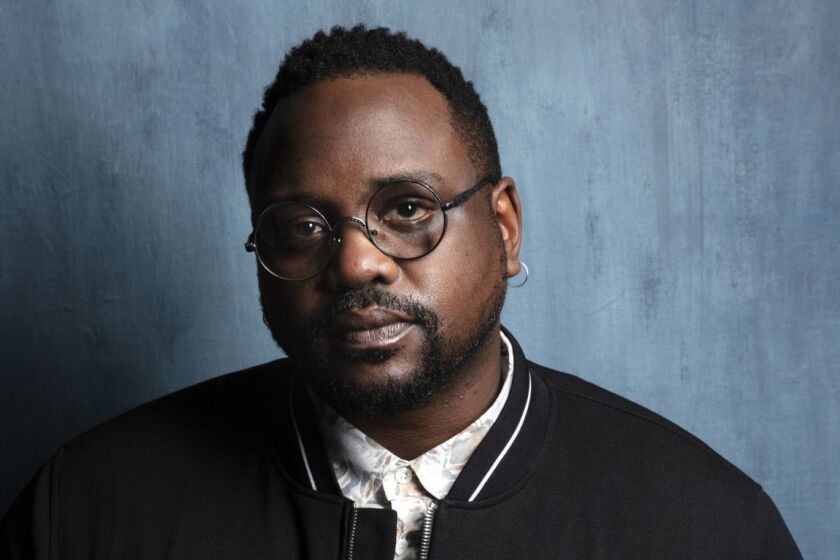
(679, 164)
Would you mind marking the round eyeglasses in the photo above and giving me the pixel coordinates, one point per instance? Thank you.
(404, 219)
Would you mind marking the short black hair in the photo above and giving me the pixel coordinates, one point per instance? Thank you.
(359, 50)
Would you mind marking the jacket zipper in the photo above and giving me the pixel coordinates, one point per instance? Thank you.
(354, 518)
(426, 536)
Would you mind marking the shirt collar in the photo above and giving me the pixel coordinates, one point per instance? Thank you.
(360, 463)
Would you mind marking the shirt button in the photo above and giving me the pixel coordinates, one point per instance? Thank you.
(403, 475)
(401, 547)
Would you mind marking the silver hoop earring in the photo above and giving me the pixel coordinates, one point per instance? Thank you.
(524, 280)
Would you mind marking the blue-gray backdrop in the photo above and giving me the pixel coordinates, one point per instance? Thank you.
(679, 164)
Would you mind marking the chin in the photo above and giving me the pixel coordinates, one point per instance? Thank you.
(374, 382)
(372, 368)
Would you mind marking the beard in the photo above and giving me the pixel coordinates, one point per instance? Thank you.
(436, 369)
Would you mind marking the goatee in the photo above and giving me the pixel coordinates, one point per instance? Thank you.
(435, 370)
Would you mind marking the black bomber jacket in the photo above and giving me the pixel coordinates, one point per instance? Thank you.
(233, 468)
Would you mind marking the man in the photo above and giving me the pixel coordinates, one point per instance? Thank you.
(406, 423)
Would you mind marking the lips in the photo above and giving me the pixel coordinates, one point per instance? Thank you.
(370, 327)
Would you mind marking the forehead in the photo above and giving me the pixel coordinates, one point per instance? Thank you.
(356, 130)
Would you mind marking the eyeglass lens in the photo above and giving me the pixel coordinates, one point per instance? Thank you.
(405, 221)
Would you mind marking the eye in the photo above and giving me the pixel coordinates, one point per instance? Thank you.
(407, 211)
(301, 234)
(304, 230)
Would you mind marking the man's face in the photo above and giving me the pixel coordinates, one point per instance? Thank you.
(370, 333)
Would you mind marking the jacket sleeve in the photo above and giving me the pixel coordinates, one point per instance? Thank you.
(25, 530)
(771, 539)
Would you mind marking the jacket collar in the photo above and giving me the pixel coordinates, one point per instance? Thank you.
(497, 465)
(505, 455)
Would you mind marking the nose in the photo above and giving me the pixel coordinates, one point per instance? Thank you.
(356, 261)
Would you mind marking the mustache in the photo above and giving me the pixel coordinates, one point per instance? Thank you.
(367, 297)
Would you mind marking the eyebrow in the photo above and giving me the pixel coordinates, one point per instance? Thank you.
(428, 177)
(300, 197)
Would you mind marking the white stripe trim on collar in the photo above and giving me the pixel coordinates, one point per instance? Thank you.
(508, 444)
(300, 441)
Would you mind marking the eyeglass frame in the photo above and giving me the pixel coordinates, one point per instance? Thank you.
(251, 246)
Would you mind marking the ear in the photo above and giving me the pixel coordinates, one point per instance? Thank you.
(505, 203)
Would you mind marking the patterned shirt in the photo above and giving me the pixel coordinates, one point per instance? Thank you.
(373, 477)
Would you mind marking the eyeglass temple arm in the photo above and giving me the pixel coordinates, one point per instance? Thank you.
(467, 194)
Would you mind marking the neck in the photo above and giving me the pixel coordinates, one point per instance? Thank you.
(412, 433)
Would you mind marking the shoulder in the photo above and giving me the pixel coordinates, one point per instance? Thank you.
(148, 470)
(631, 473)
(614, 436)
(198, 436)
(228, 407)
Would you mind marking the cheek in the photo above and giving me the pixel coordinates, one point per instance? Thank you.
(285, 305)
(478, 249)
(465, 272)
